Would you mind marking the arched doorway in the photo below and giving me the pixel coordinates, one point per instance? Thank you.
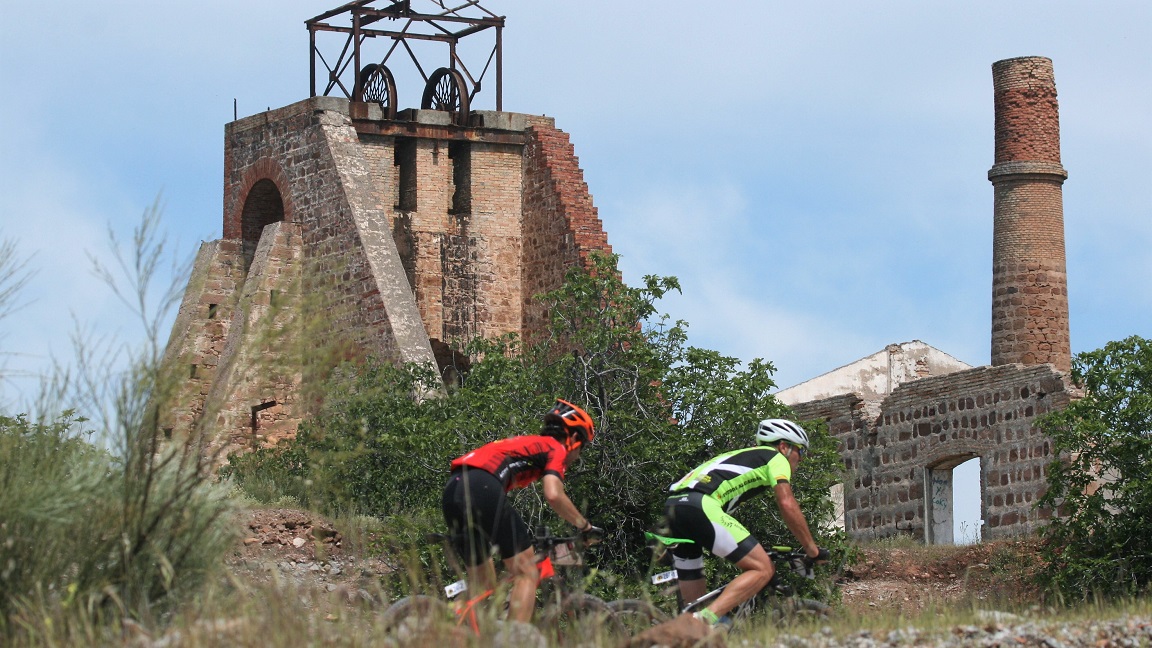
(952, 495)
(262, 207)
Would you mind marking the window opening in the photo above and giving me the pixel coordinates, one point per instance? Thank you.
(461, 155)
(256, 409)
(405, 161)
(968, 494)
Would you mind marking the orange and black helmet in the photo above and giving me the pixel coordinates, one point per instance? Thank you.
(570, 424)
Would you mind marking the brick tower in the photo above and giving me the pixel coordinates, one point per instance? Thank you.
(1029, 281)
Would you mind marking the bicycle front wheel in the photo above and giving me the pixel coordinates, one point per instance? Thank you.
(795, 609)
(635, 615)
(580, 619)
(415, 617)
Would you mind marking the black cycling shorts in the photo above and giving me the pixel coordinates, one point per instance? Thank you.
(478, 516)
(700, 518)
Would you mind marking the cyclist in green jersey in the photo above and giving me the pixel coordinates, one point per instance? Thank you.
(699, 507)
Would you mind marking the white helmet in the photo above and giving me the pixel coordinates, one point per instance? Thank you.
(773, 430)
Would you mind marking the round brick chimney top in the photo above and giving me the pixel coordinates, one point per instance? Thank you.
(1027, 115)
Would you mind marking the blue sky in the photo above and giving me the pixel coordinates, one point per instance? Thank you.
(813, 172)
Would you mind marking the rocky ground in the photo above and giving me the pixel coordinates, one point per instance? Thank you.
(305, 554)
(303, 549)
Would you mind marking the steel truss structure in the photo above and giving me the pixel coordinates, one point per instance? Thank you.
(450, 88)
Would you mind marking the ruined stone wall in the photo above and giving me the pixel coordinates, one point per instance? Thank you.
(890, 448)
(561, 225)
(253, 394)
(201, 330)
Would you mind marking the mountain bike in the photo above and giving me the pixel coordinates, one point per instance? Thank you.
(777, 600)
(566, 615)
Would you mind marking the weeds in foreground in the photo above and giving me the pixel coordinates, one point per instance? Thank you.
(122, 529)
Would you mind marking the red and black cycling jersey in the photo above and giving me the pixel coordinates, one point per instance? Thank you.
(519, 461)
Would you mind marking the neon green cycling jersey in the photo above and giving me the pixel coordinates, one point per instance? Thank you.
(736, 475)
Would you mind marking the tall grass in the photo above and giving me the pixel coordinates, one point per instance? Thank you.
(104, 519)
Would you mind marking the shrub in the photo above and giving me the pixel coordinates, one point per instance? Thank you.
(1101, 541)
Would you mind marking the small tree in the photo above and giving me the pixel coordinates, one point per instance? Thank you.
(1101, 541)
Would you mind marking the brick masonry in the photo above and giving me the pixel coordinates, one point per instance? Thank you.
(1029, 281)
(410, 236)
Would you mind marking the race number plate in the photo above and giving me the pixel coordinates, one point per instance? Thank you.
(455, 588)
(664, 577)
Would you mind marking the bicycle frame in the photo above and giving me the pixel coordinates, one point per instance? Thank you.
(794, 557)
(551, 551)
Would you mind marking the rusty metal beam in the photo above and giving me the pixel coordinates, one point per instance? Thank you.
(337, 11)
(433, 18)
(434, 131)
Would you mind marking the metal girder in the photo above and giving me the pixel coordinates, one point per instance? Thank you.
(449, 24)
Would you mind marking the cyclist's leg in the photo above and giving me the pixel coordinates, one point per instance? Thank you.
(731, 541)
(756, 569)
(472, 503)
(685, 519)
(514, 540)
(525, 576)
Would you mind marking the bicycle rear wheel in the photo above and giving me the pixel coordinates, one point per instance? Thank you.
(796, 609)
(580, 619)
(416, 616)
(636, 615)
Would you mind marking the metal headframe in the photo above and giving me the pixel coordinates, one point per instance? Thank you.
(444, 22)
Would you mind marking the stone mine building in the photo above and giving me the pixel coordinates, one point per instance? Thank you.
(907, 416)
(412, 231)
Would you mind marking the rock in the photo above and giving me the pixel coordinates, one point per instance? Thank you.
(685, 631)
(299, 542)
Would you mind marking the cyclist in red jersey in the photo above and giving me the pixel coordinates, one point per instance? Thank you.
(478, 513)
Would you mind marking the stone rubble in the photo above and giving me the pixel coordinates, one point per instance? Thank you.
(1123, 632)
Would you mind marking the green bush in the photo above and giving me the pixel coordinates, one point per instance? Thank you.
(661, 407)
(1100, 544)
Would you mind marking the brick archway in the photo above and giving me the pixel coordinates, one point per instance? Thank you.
(260, 201)
(263, 206)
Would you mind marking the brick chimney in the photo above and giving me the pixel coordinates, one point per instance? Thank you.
(1029, 280)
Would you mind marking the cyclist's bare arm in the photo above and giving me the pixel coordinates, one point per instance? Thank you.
(794, 518)
(556, 497)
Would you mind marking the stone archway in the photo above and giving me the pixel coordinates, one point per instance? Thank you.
(262, 206)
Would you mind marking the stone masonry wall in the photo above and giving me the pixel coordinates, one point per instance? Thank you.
(889, 447)
(254, 390)
(561, 225)
(201, 329)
